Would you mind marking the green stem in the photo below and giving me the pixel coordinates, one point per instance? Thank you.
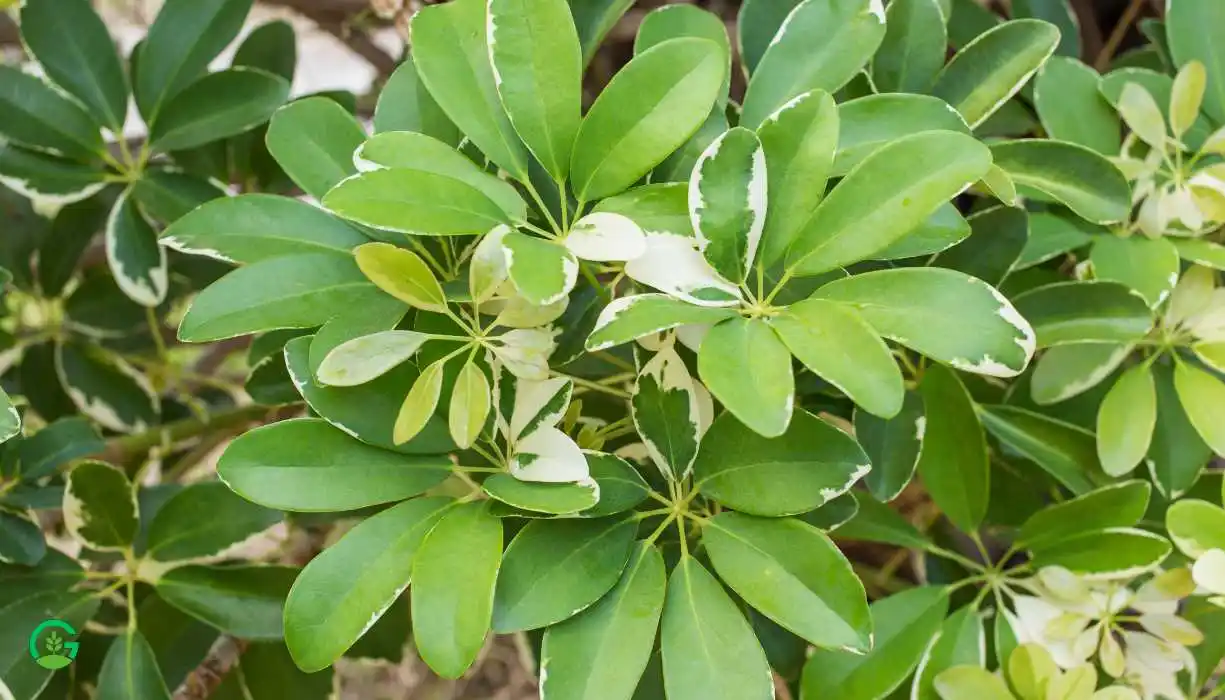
(124, 449)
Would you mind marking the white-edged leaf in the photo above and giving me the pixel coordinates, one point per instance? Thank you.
(362, 359)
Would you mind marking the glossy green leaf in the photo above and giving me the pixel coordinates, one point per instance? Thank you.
(942, 230)
(341, 592)
(554, 499)
(55, 445)
(794, 574)
(405, 105)
(962, 641)
(1065, 371)
(451, 52)
(748, 369)
(1114, 506)
(537, 64)
(313, 140)
(807, 466)
(820, 46)
(416, 202)
(167, 194)
(271, 46)
(1196, 526)
(1075, 176)
(727, 202)
(994, 66)
(1177, 454)
(133, 254)
(594, 19)
(1071, 107)
(631, 317)
(33, 114)
(307, 465)
(943, 314)
(600, 653)
(879, 202)
(708, 648)
(106, 388)
(835, 343)
(21, 539)
(1064, 451)
(1113, 553)
(1126, 420)
(998, 235)
(203, 521)
(1195, 34)
(677, 21)
(544, 272)
(757, 24)
(130, 670)
(643, 115)
(1201, 395)
(953, 461)
(1149, 266)
(453, 575)
(913, 50)
(904, 625)
(1085, 312)
(867, 124)
(36, 175)
(892, 445)
(245, 601)
(75, 50)
(216, 106)
(1051, 235)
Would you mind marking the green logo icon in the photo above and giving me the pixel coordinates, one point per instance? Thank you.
(47, 645)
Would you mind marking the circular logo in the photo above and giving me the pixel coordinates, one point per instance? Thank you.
(49, 645)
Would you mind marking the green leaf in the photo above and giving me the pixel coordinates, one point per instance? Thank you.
(912, 52)
(453, 588)
(621, 486)
(879, 202)
(341, 592)
(820, 46)
(794, 574)
(1201, 252)
(594, 19)
(133, 254)
(537, 62)
(666, 413)
(452, 57)
(799, 142)
(402, 149)
(757, 24)
(313, 140)
(419, 404)
(55, 445)
(100, 507)
(953, 461)
(1195, 34)
(904, 625)
(1075, 176)
(416, 202)
(405, 105)
(1196, 526)
(305, 464)
(402, 274)
(835, 343)
(368, 357)
(1114, 506)
(470, 404)
(1113, 553)
(601, 652)
(1085, 312)
(708, 648)
(630, 317)
(943, 314)
(1064, 451)
(968, 20)
(10, 419)
(21, 539)
(216, 106)
(1051, 235)
(105, 388)
(543, 271)
(19, 675)
(998, 235)
(1177, 454)
(642, 115)
(130, 670)
(867, 124)
(537, 497)
(806, 467)
(962, 641)
(727, 202)
(291, 291)
(253, 227)
(748, 369)
(1072, 109)
(1126, 420)
(1147, 265)
(892, 446)
(971, 682)
(166, 195)
(72, 231)
(1065, 371)
(1201, 395)
(991, 69)
(271, 46)
(677, 21)
(554, 569)
(47, 178)
(942, 230)
(203, 521)
(1058, 13)
(75, 50)
(33, 114)
(244, 601)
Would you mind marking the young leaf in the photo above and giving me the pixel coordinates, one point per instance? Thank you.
(420, 403)
(1085, 312)
(307, 465)
(33, 114)
(402, 274)
(606, 237)
(1125, 421)
(554, 569)
(1196, 527)
(451, 51)
(962, 641)
(130, 669)
(453, 576)
(133, 254)
(100, 507)
(602, 651)
(543, 271)
(806, 467)
(1201, 395)
(835, 343)
(416, 202)
(953, 461)
(406, 106)
(631, 317)
(1064, 451)
(341, 592)
(892, 446)
(880, 201)
(216, 106)
(1114, 506)
(537, 66)
(820, 46)
(362, 359)
(469, 405)
(903, 627)
(313, 140)
(373, 318)
(912, 52)
(793, 574)
(991, 69)
(708, 648)
(642, 116)
(911, 306)
(245, 601)
(75, 50)
(666, 413)
(673, 264)
(748, 369)
(202, 522)
(867, 124)
(1071, 108)
(799, 141)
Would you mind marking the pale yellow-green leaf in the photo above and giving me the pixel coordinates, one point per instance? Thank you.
(971, 683)
(1126, 420)
(402, 274)
(1142, 115)
(1202, 396)
(469, 405)
(1187, 96)
(419, 405)
(1031, 668)
(1191, 296)
(1001, 185)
